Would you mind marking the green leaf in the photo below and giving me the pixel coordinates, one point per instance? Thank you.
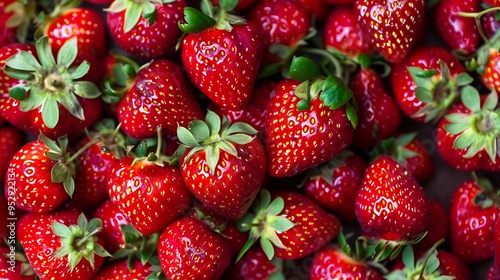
(265, 198)
(74, 259)
(61, 230)
(149, 12)
(23, 61)
(491, 101)
(463, 79)
(86, 89)
(335, 93)
(228, 5)
(71, 104)
(226, 146)
(420, 77)
(352, 114)
(405, 139)
(69, 185)
(470, 98)
(80, 71)
(132, 16)
(303, 105)
(240, 127)
(213, 121)
(245, 248)
(212, 157)
(465, 140)
(94, 224)
(195, 21)
(267, 247)
(456, 128)
(423, 94)
(68, 52)
(408, 258)
(58, 172)
(276, 206)
(199, 129)
(50, 112)
(303, 69)
(280, 223)
(240, 138)
(186, 137)
(432, 264)
(44, 52)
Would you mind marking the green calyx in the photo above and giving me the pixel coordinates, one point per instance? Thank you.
(221, 17)
(395, 147)
(136, 246)
(437, 92)
(488, 196)
(331, 90)
(265, 224)
(109, 133)
(214, 135)
(141, 151)
(326, 170)
(124, 72)
(79, 241)
(478, 130)
(23, 11)
(50, 81)
(135, 9)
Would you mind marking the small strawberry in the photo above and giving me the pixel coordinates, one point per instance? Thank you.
(390, 204)
(255, 265)
(71, 248)
(187, 248)
(121, 270)
(112, 220)
(392, 27)
(224, 164)
(490, 24)
(11, 140)
(222, 55)
(288, 225)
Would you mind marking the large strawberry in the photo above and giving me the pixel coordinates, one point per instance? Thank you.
(222, 55)
(391, 26)
(62, 244)
(188, 249)
(146, 28)
(310, 120)
(224, 165)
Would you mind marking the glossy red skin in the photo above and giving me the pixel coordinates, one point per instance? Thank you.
(318, 10)
(343, 32)
(11, 140)
(294, 139)
(149, 195)
(489, 24)
(421, 166)
(187, 248)
(496, 235)
(9, 272)
(338, 1)
(457, 32)
(91, 176)
(455, 157)
(403, 86)
(168, 101)
(112, 218)
(9, 107)
(222, 64)
(490, 77)
(32, 228)
(5, 214)
(392, 28)
(230, 190)
(330, 262)
(254, 265)
(119, 270)
(472, 227)
(255, 111)
(379, 116)
(437, 228)
(493, 273)
(314, 227)
(242, 4)
(149, 41)
(338, 197)
(34, 189)
(281, 21)
(390, 204)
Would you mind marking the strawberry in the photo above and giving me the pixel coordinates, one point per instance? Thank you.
(334, 185)
(457, 32)
(147, 29)
(496, 236)
(112, 220)
(187, 248)
(289, 225)
(493, 273)
(120, 270)
(437, 228)
(391, 27)
(318, 10)
(390, 204)
(14, 265)
(242, 4)
(142, 186)
(428, 83)
(489, 24)
(11, 140)
(169, 102)
(221, 56)
(466, 136)
(71, 248)
(224, 164)
(489, 75)
(306, 116)
(473, 215)
(255, 265)
(378, 113)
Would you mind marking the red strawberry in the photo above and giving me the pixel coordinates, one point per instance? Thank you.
(71, 248)
(318, 10)
(112, 220)
(472, 221)
(242, 4)
(224, 165)
(428, 83)
(255, 265)
(120, 270)
(221, 59)
(11, 140)
(288, 225)
(392, 27)
(390, 204)
(459, 33)
(168, 102)
(14, 265)
(437, 228)
(493, 273)
(335, 184)
(490, 73)
(496, 236)
(490, 24)
(147, 28)
(187, 248)
(378, 113)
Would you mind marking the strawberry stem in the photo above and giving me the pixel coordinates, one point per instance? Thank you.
(83, 149)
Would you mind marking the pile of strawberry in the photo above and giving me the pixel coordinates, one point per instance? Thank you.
(251, 139)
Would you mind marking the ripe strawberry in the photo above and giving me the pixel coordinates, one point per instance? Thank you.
(255, 265)
(342, 33)
(391, 27)
(168, 102)
(146, 28)
(428, 83)
(71, 248)
(466, 136)
(14, 265)
(141, 187)
(224, 164)
(459, 33)
(490, 24)
(304, 118)
(11, 140)
(221, 59)
(120, 270)
(390, 204)
(472, 221)
(318, 10)
(334, 185)
(437, 228)
(112, 220)
(289, 225)
(187, 248)
(490, 73)
(378, 113)
(496, 236)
